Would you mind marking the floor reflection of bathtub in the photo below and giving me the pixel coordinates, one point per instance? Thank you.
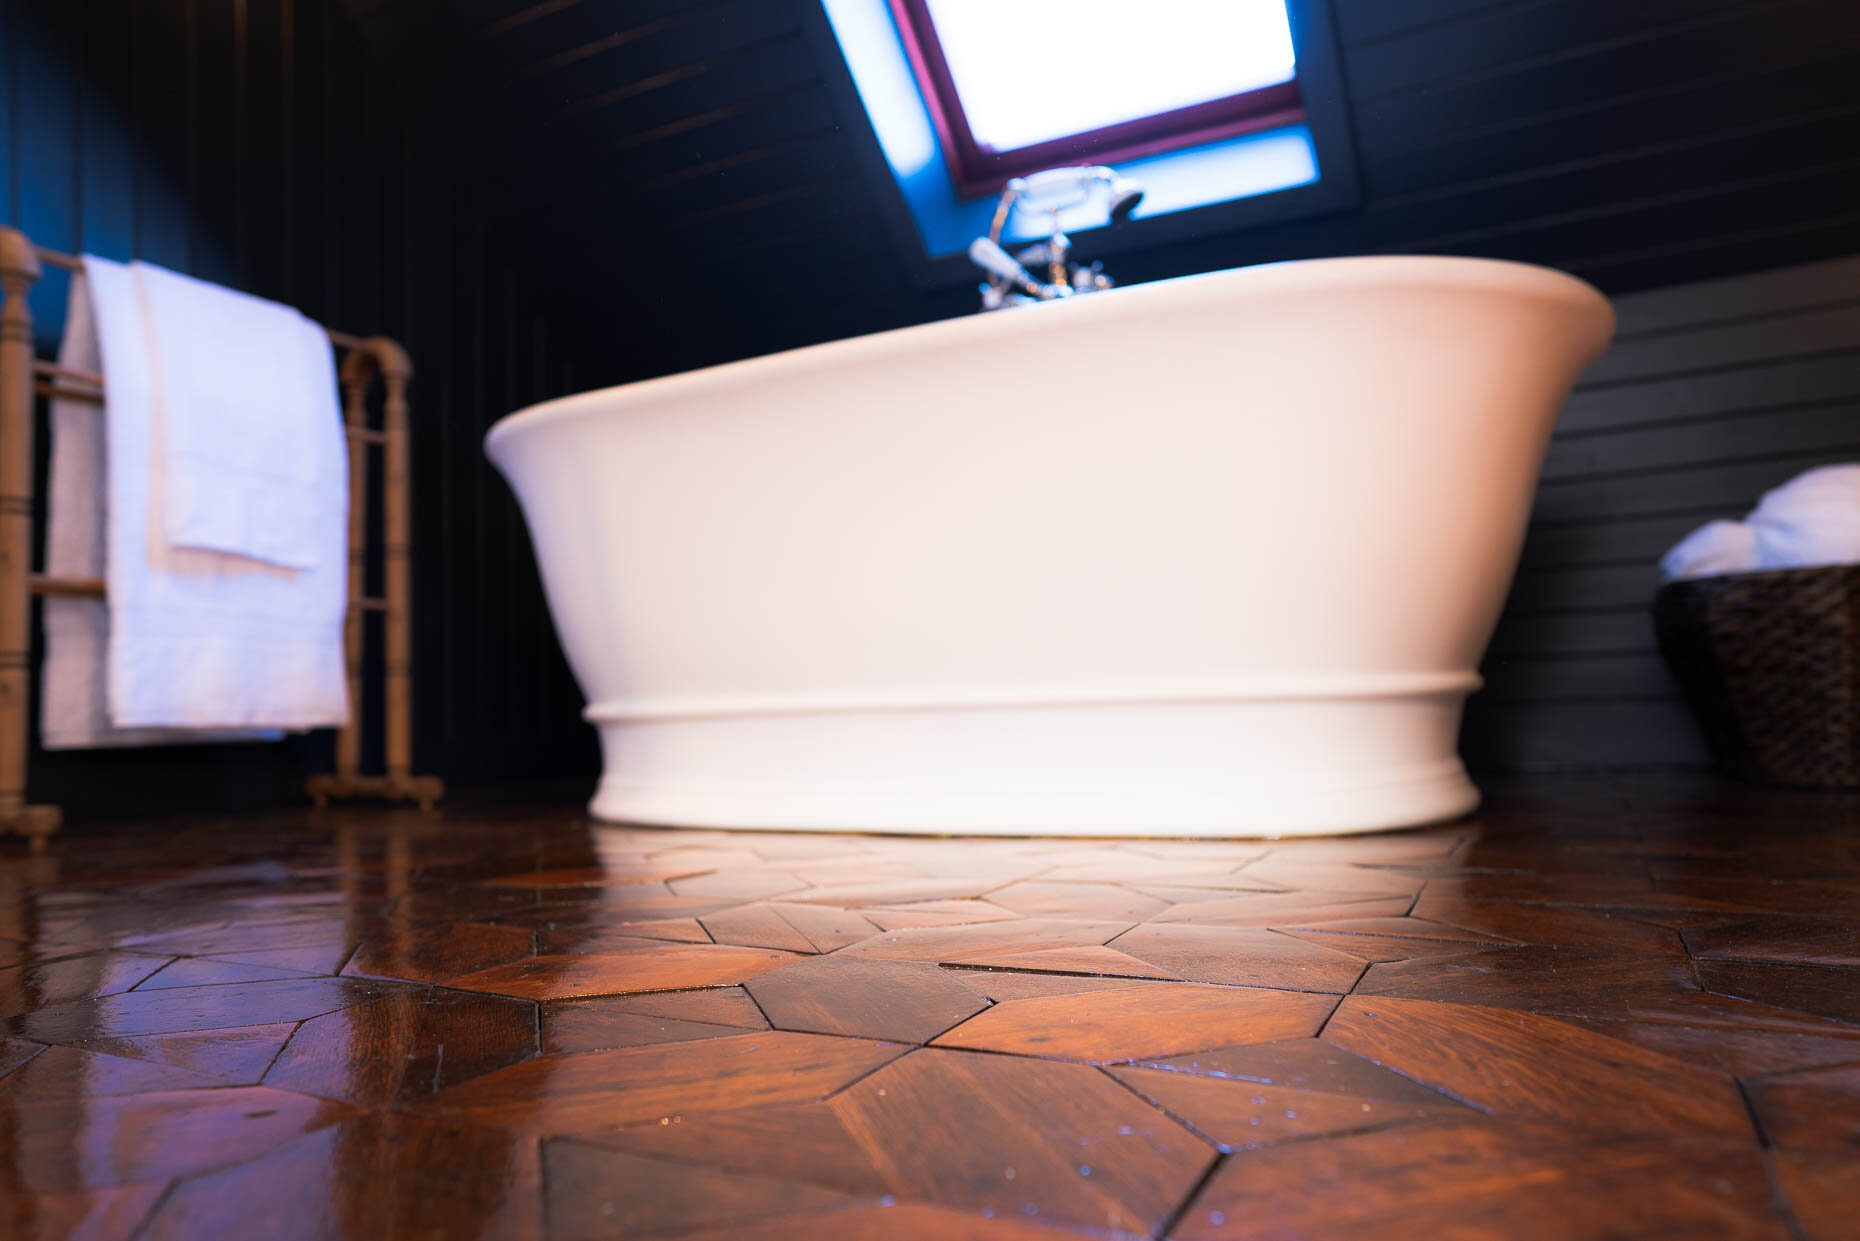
(1210, 556)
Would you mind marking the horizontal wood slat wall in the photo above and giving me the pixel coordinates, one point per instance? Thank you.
(1712, 394)
(260, 144)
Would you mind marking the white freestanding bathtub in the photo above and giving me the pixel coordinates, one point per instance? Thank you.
(1211, 556)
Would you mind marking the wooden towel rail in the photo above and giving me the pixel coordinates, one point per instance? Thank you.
(23, 378)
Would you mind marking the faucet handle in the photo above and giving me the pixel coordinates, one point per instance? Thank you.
(990, 257)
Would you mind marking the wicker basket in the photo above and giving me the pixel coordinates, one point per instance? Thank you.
(1770, 663)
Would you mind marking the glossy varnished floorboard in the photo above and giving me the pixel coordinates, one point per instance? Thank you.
(1602, 1009)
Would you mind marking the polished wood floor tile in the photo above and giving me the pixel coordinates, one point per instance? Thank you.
(1008, 983)
(111, 1213)
(1054, 1142)
(1483, 1178)
(807, 1142)
(1824, 992)
(1083, 959)
(1377, 948)
(28, 987)
(978, 941)
(826, 927)
(405, 1045)
(15, 1052)
(1523, 1064)
(724, 1006)
(1735, 1052)
(1242, 956)
(935, 913)
(382, 1177)
(206, 972)
(324, 958)
(63, 1144)
(567, 975)
(595, 1025)
(441, 952)
(905, 1001)
(1812, 1110)
(596, 1192)
(1165, 1019)
(1572, 981)
(1403, 928)
(175, 1009)
(1822, 1189)
(1603, 1009)
(238, 1056)
(1108, 902)
(1509, 922)
(759, 926)
(72, 1073)
(1796, 941)
(1239, 1115)
(894, 1221)
(1288, 910)
(595, 1091)
(14, 953)
(1305, 1064)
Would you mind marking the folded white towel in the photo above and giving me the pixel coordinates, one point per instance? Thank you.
(1813, 519)
(73, 713)
(1715, 547)
(236, 430)
(199, 638)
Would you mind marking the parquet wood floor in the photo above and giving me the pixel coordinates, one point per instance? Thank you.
(1601, 1009)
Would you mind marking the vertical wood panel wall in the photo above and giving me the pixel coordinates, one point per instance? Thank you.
(258, 143)
(1713, 393)
(399, 165)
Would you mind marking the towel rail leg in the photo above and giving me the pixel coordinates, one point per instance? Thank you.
(355, 381)
(396, 552)
(379, 355)
(19, 271)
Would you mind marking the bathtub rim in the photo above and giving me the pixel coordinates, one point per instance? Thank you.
(1437, 271)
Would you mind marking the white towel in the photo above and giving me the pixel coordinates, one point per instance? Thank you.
(1813, 519)
(196, 639)
(1715, 547)
(239, 437)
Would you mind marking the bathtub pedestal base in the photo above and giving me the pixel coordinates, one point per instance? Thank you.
(1176, 769)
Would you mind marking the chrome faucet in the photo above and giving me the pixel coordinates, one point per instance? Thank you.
(1010, 282)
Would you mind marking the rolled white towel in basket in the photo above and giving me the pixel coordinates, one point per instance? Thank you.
(1813, 519)
(1715, 547)
(1809, 521)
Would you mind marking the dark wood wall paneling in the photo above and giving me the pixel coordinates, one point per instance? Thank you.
(694, 150)
(682, 188)
(1712, 394)
(261, 144)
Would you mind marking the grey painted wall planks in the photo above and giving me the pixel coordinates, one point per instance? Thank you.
(1713, 393)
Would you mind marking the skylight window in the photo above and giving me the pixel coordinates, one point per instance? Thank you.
(1229, 113)
(1019, 85)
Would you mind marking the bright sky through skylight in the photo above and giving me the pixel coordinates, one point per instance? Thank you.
(1031, 70)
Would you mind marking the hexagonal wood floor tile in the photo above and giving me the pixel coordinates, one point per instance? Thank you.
(906, 1001)
(1162, 1019)
(1603, 1009)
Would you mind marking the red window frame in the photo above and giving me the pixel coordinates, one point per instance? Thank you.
(978, 169)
